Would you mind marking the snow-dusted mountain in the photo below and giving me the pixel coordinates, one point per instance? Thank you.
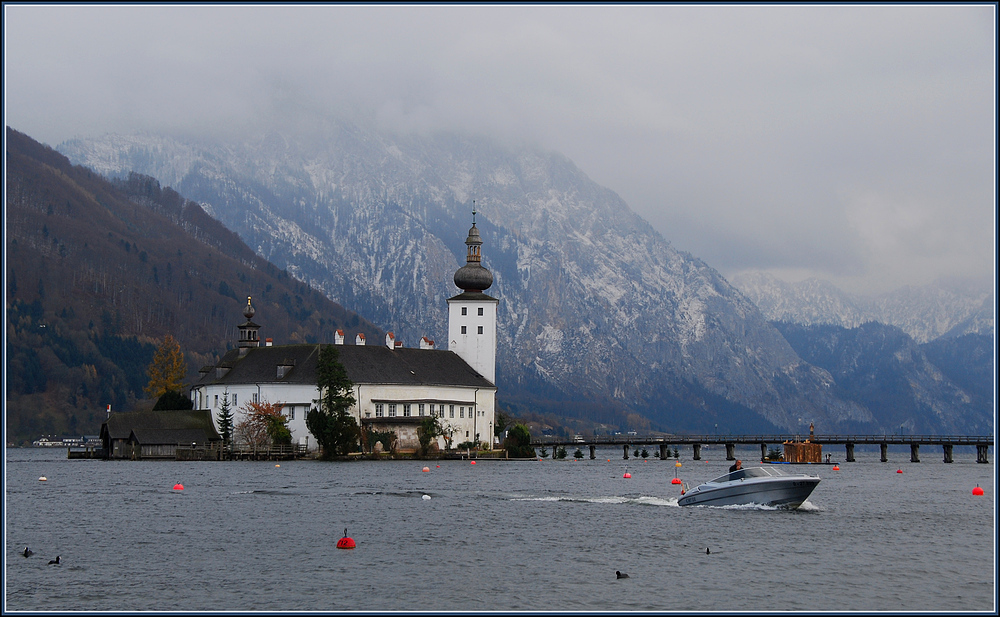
(599, 315)
(925, 313)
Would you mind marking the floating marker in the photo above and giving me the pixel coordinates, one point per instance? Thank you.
(426, 497)
(43, 479)
(836, 467)
(438, 465)
(426, 469)
(899, 471)
(277, 465)
(627, 475)
(178, 487)
(473, 462)
(677, 464)
(345, 542)
(675, 481)
(977, 490)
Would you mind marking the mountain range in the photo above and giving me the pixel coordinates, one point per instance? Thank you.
(600, 316)
(97, 272)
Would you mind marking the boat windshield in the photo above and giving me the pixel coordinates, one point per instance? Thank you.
(751, 472)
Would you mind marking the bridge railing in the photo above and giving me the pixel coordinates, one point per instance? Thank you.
(958, 440)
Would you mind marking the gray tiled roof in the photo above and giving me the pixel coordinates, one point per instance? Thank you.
(364, 364)
(199, 421)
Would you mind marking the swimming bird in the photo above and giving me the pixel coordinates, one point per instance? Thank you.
(54, 561)
(620, 574)
(708, 551)
(27, 552)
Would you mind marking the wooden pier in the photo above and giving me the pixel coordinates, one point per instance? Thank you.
(946, 442)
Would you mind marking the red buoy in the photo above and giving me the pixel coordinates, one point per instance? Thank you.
(426, 469)
(473, 462)
(627, 475)
(977, 490)
(345, 542)
(178, 487)
(836, 467)
(676, 481)
(899, 471)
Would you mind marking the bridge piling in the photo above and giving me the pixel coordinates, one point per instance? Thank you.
(914, 453)
(981, 454)
(849, 456)
(947, 452)
(763, 451)
(626, 452)
(730, 447)
(593, 454)
(697, 451)
(664, 451)
(884, 448)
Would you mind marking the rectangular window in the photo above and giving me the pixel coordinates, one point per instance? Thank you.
(256, 397)
(291, 412)
(406, 410)
(420, 409)
(451, 411)
(465, 311)
(480, 329)
(379, 410)
(480, 311)
(461, 412)
(392, 410)
(236, 400)
(216, 400)
(463, 329)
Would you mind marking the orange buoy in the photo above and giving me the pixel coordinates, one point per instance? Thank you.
(178, 487)
(977, 490)
(675, 481)
(426, 469)
(345, 542)
(836, 467)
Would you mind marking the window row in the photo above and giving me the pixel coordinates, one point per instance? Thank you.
(465, 310)
(390, 410)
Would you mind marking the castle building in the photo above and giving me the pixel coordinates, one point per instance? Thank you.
(395, 387)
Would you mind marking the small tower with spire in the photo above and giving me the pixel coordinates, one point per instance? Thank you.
(472, 315)
(249, 336)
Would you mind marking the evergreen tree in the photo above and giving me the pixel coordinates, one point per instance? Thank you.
(167, 370)
(334, 427)
(518, 442)
(226, 421)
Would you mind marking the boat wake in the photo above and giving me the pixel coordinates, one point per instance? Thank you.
(642, 500)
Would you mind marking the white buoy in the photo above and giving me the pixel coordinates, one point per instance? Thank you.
(426, 497)
(42, 479)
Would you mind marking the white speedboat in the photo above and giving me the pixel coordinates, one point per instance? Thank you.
(756, 485)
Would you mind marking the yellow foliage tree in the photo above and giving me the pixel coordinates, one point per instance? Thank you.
(167, 370)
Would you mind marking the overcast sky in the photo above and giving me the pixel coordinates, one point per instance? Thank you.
(855, 143)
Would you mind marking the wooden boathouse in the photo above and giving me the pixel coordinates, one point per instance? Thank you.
(188, 434)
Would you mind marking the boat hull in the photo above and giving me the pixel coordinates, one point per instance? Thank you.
(787, 492)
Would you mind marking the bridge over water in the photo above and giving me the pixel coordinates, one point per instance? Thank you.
(947, 443)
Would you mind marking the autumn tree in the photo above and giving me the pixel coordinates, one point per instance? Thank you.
(263, 424)
(167, 370)
(332, 424)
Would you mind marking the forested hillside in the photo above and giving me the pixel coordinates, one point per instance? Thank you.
(97, 273)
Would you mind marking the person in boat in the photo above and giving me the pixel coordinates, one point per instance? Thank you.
(736, 466)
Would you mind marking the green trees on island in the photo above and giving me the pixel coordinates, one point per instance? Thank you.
(334, 427)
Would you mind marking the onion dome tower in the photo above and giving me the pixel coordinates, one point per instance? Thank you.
(472, 315)
(248, 331)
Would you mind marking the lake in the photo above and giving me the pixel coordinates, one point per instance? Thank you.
(495, 536)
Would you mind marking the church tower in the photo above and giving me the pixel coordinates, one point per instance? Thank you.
(472, 315)
(248, 331)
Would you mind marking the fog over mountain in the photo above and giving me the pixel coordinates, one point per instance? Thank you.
(600, 316)
(946, 308)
